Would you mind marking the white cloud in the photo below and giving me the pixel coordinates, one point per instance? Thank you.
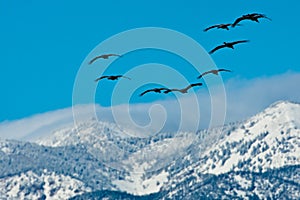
(41, 123)
(244, 98)
(247, 97)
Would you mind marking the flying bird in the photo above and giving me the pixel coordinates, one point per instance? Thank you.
(214, 71)
(228, 45)
(218, 26)
(112, 77)
(104, 56)
(184, 90)
(253, 17)
(157, 90)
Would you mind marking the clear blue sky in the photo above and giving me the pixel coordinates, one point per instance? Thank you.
(43, 44)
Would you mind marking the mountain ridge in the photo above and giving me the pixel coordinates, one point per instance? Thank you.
(103, 156)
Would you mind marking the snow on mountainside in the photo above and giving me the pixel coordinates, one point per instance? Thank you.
(140, 157)
(70, 161)
(270, 139)
(85, 132)
(145, 165)
(105, 141)
(281, 183)
(41, 186)
(98, 156)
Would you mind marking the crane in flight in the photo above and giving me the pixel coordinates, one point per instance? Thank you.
(219, 26)
(253, 17)
(114, 77)
(213, 71)
(228, 45)
(183, 90)
(156, 90)
(104, 56)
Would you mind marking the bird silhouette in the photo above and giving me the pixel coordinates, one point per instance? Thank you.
(228, 45)
(252, 17)
(218, 26)
(214, 71)
(116, 77)
(104, 56)
(183, 90)
(157, 90)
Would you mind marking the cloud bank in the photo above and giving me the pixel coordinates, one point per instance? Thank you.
(244, 99)
(248, 97)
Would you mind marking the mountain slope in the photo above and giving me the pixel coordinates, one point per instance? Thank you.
(282, 183)
(41, 186)
(272, 184)
(270, 139)
(234, 161)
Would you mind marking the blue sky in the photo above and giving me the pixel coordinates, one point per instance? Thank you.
(43, 44)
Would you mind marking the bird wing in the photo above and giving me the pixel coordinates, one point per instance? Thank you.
(255, 14)
(167, 90)
(112, 54)
(201, 75)
(102, 77)
(224, 70)
(193, 85)
(204, 74)
(238, 20)
(217, 48)
(153, 89)
(188, 87)
(94, 59)
(240, 41)
(113, 77)
(211, 27)
(146, 91)
(160, 89)
(196, 84)
(163, 88)
(263, 16)
(125, 77)
(258, 15)
(237, 25)
(267, 18)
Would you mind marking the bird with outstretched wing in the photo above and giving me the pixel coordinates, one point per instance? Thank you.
(114, 77)
(219, 26)
(213, 71)
(104, 56)
(157, 90)
(228, 45)
(252, 17)
(183, 90)
(217, 48)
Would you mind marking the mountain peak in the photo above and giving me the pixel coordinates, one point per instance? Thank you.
(166, 162)
(281, 112)
(267, 140)
(283, 104)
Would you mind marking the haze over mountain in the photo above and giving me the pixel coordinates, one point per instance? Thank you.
(238, 92)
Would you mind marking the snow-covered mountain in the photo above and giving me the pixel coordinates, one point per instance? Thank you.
(45, 185)
(270, 139)
(99, 159)
(259, 146)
